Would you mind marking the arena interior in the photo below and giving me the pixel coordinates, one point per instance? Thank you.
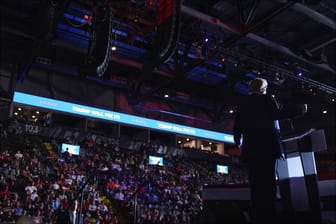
(117, 112)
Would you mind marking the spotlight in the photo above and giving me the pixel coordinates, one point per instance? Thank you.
(300, 73)
(235, 62)
(206, 40)
(114, 46)
(88, 18)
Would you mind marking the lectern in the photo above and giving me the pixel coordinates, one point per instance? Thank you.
(297, 176)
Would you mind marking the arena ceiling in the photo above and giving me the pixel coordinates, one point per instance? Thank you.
(193, 52)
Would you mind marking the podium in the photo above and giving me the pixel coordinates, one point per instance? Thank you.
(297, 177)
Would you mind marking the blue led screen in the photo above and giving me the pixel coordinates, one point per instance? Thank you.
(87, 111)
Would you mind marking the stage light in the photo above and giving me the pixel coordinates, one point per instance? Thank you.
(324, 112)
(114, 46)
(206, 40)
(300, 74)
(88, 18)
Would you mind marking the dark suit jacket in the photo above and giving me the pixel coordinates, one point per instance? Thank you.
(255, 123)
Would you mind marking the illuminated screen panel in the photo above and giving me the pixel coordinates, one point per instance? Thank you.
(72, 149)
(87, 111)
(222, 169)
(155, 160)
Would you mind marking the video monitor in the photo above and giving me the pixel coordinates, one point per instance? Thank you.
(222, 169)
(155, 160)
(72, 149)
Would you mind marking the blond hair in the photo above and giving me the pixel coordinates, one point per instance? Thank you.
(257, 85)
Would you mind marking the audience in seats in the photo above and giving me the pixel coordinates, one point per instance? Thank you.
(36, 180)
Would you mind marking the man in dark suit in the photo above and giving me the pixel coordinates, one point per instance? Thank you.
(257, 134)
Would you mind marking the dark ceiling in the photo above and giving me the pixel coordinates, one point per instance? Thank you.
(203, 53)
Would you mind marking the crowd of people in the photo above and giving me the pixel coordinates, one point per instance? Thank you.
(104, 184)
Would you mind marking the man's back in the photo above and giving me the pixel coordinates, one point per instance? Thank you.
(255, 121)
